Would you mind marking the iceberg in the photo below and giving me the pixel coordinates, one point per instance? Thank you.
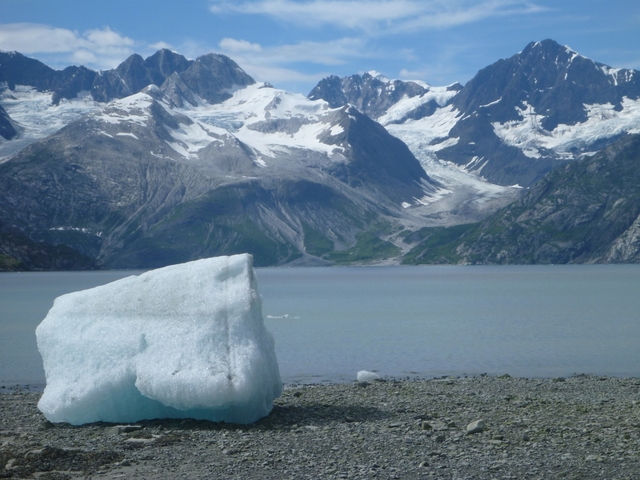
(184, 341)
(367, 377)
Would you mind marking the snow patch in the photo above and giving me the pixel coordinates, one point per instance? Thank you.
(255, 104)
(401, 109)
(379, 76)
(126, 134)
(133, 109)
(427, 134)
(336, 130)
(491, 103)
(36, 116)
(568, 141)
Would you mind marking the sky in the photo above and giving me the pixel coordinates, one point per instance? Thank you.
(293, 44)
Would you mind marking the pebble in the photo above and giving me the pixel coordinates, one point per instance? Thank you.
(580, 428)
(476, 426)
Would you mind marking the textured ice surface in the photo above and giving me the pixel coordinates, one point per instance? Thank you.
(365, 376)
(185, 341)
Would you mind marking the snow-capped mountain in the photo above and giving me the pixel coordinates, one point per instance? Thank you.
(210, 76)
(190, 169)
(41, 100)
(165, 159)
(422, 117)
(514, 121)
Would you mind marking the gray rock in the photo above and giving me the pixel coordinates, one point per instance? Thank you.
(125, 428)
(475, 427)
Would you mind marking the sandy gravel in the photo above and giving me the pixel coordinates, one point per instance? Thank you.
(576, 428)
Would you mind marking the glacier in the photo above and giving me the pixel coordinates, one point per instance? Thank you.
(569, 141)
(184, 341)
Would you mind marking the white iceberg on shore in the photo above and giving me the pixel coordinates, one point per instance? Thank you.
(184, 341)
(367, 377)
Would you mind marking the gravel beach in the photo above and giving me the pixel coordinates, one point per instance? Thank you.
(582, 427)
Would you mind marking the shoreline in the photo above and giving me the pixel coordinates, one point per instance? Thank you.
(579, 427)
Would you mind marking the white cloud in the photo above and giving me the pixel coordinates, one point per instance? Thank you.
(335, 52)
(102, 48)
(83, 57)
(279, 75)
(352, 14)
(379, 16)
(235, 46)
(280, 64)
(160, 45)
(444, 15)
(107, 38)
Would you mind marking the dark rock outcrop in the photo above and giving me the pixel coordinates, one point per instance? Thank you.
(7, 128)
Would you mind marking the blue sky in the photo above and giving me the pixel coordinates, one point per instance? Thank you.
(294, 43)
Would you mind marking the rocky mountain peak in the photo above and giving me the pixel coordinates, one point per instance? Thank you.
(554, 79)
(209, 76)
(134, 73)
(372, 93)
(164, 63)
(330, 90)
(16, 69)
(212, 76)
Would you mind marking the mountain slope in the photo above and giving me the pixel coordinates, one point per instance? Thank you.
(587, 211)
(538, 109)
(158, 178)
(19, 253)
(514, 121)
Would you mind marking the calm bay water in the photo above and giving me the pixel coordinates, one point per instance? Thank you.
(534, 321)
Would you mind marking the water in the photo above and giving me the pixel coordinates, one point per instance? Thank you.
(534, 321)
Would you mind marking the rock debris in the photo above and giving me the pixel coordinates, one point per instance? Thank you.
(582, 427)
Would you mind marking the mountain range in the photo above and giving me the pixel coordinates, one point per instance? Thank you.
(166, 159)
(207, 163)
(516, 120)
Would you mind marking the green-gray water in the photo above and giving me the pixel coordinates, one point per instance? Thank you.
(535, 321)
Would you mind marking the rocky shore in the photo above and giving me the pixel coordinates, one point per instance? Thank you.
(581, 427)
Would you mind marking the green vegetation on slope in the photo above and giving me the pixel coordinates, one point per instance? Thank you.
(315, 243)
(435, 245)
(369, 247)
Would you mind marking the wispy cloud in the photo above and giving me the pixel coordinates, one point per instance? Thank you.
(102, 48)
(231, 45)
(379, 16)
(359, 28)
(277, 63)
